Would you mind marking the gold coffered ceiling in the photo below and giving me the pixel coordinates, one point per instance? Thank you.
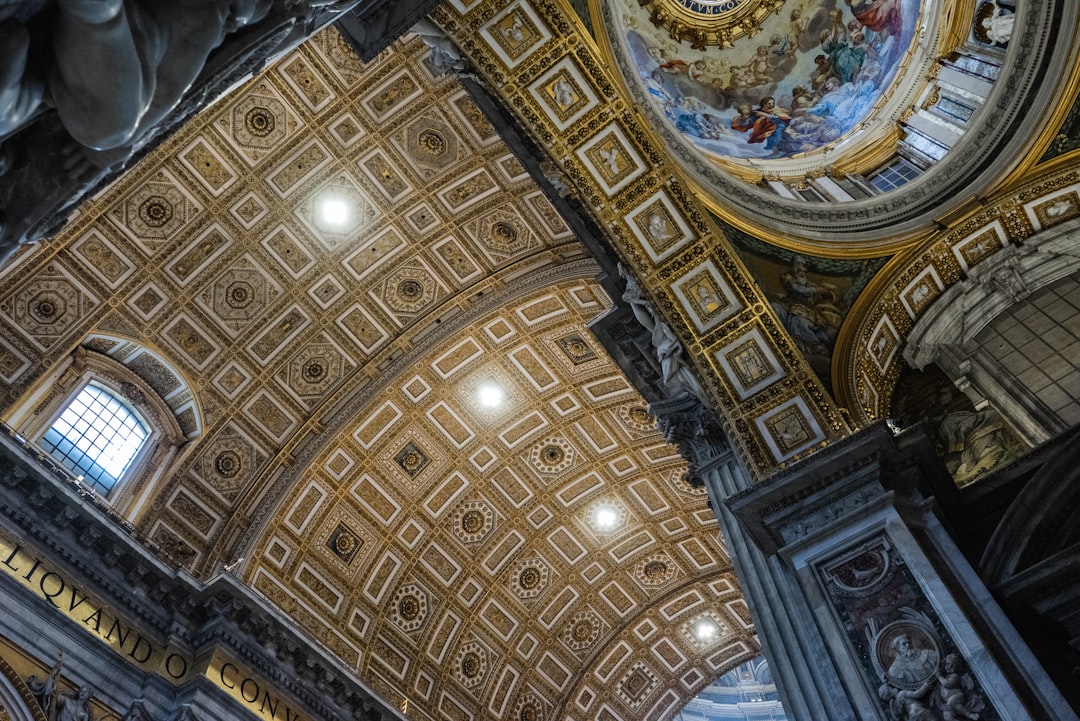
(449, 553)
(455, 554)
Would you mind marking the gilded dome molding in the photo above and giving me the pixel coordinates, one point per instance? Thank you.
(1005, 134)
(710, 22)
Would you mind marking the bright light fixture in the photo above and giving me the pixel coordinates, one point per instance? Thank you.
(491, 395)
(605, 518)
(705, 630)
(334, 212)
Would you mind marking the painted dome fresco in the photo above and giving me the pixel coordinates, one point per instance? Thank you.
(809, 75)
(771, 105)
(759, 80)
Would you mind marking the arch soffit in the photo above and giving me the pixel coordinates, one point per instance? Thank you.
(947, 289)
(341, 409)
(155, 369)
(16, 698)
(978, 162)
(175, 411)
(333, 490)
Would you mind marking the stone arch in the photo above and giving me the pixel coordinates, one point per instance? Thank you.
(16, 701)
(143, 380)
(1029, 229)
(970, 331)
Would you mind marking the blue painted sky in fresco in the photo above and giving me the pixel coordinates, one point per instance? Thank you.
(824, 63)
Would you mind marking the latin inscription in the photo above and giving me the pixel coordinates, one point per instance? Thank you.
(58, 590)
(62, 594)
(711, 8)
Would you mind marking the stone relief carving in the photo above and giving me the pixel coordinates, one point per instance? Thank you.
(918, 684)
(956, 690)
(994, 24)
(909, 655)
(61, 705)
(17, 702)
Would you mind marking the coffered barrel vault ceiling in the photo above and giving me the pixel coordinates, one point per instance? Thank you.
(554, 80)
(457, 556)
(326, 375)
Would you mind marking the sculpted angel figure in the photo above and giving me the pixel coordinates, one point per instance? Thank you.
(908, 705)
(956, 691)
(998, 25)
(675, 372)
(60, 705)
(74, 707)
(45, 689)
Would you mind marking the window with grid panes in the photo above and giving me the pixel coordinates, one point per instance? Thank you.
(96, 437)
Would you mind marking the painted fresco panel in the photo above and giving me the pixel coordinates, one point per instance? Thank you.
(810, 76)
(811, 296)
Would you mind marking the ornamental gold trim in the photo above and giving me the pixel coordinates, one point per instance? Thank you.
(701, 23)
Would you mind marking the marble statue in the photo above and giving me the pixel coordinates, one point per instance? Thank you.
(674, 370)
(999, 25)
(57, 705)
(919, 680)
(445, 57)
(74, 706)
(115, 68)
(45, 689)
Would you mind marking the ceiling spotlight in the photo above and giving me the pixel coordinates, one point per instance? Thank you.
(491, 395)
(605, 519)
(705, 630)
(333, 212)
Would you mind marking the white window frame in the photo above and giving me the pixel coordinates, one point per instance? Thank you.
(39, 409)
(79, 459)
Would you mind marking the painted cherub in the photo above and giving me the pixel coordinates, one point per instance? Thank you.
(744, 121)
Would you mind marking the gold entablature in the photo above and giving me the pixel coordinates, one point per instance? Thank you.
(710, 22)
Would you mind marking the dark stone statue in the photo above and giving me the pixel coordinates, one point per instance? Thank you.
(60, 705)
(87, 85)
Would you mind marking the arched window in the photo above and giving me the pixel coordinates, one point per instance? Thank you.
(114, 413)
(96, 436)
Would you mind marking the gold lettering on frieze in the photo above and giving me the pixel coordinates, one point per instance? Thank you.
(256, 694)
(59, 590)
(54, 586)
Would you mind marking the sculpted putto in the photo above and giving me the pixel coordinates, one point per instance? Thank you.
(919, 681)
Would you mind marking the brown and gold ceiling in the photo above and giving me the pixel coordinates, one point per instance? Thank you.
(325, 370)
